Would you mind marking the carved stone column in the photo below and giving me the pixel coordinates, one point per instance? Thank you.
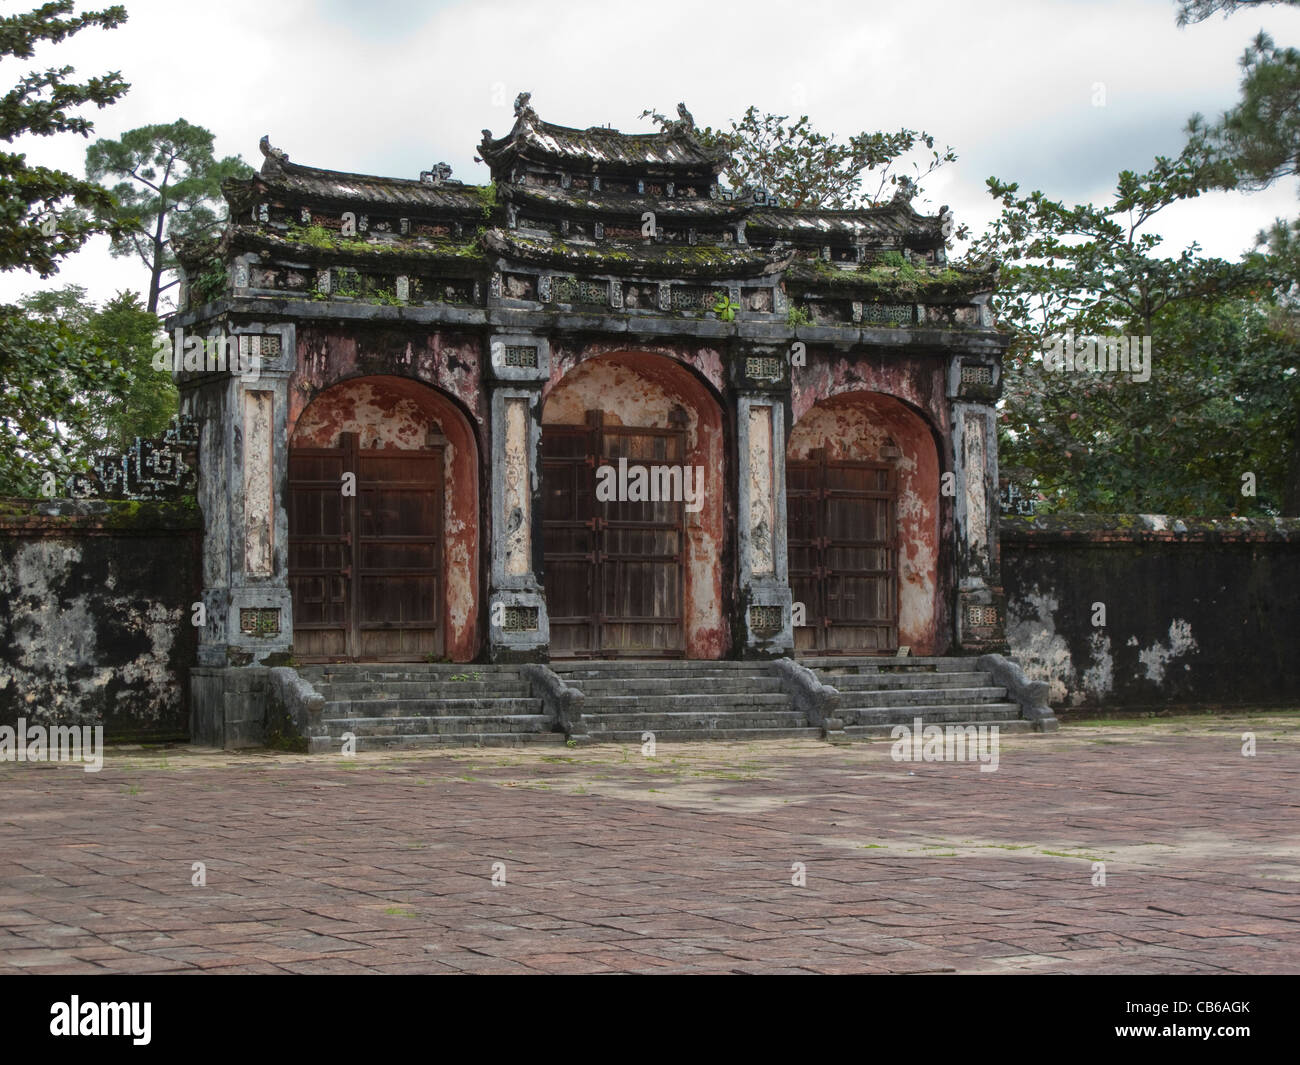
(242, 408)
(518, 628)
(973, 387)
(761, 378)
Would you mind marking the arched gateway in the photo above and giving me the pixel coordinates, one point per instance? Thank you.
(382, 523)
(809, 392)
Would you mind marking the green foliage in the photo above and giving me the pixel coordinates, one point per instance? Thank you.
(1219, 402)
(209, 283)
(1190, 11)
(169, 192)
(78, 379)
(725, 308)
(797, 316)
(1256, 142)
(45, 214)
(810, 169)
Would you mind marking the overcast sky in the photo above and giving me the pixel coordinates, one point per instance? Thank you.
(392, 86)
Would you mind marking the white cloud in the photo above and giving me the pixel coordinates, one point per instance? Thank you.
(391, 86)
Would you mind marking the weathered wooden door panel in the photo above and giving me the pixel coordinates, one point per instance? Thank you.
(365, 570)
(319, 553)
(569, 539)
(843, 555)
(614, 577)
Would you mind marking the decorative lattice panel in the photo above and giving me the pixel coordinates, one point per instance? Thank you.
(521, 355)
(572, 290)
(259, 621)
(520, 619)
(764, 367)
(894, 313)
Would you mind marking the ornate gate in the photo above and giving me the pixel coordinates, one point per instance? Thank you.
(843, 554)
(613, 570)
(365, 568)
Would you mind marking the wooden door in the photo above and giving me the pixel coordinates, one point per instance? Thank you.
(843, 555)
(613, 570)
(365, 569)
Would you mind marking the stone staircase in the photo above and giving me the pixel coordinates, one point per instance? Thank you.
(416, 705)
(683, 700)
(878, 693)
(409, 705)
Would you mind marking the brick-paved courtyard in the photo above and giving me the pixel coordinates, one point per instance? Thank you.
(681, 863)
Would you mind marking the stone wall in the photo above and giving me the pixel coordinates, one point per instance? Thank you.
(95, 614)
(1146, 611)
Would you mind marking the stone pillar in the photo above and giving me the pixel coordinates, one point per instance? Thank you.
(761, 379)
(242, 407)
(518, 628)
(973, 385)
(234, 381)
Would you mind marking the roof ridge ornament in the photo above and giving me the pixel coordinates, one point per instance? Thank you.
(274, 158)
(440, 173)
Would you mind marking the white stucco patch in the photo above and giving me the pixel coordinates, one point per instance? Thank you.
(1099, 678)
(1157, 657)
(1041, 651)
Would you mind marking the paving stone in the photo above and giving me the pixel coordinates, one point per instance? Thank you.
(681, 863)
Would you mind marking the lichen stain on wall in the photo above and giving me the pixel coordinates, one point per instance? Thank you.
(641, 389)
(395, 412)
(855, 427)
(84, 657)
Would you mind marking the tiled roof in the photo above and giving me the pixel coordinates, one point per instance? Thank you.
(872, 223)
(600, 147)
(308, 182)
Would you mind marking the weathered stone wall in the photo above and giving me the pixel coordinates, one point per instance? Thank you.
(95, 614)
(1187, 611)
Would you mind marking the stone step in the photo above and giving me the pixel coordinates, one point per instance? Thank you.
(330, 744)
(830, 666)
(1005, 726)
(738, 735)
(860, 682)
(371, 727)
(673, 685)
(695, 720)
(561, 665)
(955, 713)
(683, 701)
(429, 707)
(408, 671)
(922, 697)
(341, 691)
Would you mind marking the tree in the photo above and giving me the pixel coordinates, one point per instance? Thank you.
(1190, 11)
(78, 380)
(1258, 141)
(35, 230)
(53, 373)
(171, 183)
(1218, 401)
(806, 168)
(143, 406)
